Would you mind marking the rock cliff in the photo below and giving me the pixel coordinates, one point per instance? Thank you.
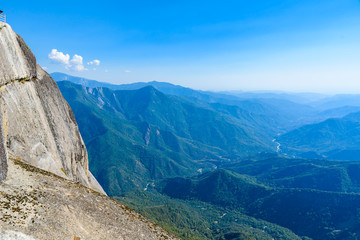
(46, 188)
(37, 205)
(38, 125)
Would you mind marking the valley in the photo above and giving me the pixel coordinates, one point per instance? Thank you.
(262, 159)
(191, 120)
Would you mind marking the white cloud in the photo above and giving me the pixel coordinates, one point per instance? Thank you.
(127, 71)
(106, 70)
(76, 62)
(76, 67)
(94, 62)
(59, 57)
(45, 68)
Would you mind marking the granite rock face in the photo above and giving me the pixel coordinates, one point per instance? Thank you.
(46, 188)
(3, 154)
(16, 59)
(37, 124)
(40, 205)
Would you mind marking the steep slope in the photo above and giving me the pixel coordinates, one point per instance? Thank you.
(335, 138)
(316, 174)
(164, 87)
(160, 135)
(220, 187)
(307, 212)
(39, 126)
(196, 220)
(46, 188)
(40, 205)
(282, 113)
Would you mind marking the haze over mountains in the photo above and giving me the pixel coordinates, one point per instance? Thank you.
(85, 159)
(164, 149)
(288, 109)
(179, 135)
(46, 188)
(334, 138)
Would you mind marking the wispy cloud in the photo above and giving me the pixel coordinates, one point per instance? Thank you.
(127, 71)
(94, 62)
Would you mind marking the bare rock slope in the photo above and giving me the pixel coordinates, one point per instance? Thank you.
(46, 188)
(40, 205)
(37, 123)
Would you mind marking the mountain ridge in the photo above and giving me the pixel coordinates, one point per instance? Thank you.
(333, 138)
(46, 188)
(256, 185)
(307, 212)
(175, 130)
(285, 110)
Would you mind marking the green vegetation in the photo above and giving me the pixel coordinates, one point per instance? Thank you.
(63, 170)
(335, 138)
(317, 174)
(185, 160)
(135, 137)
(307, 212)
(198, 220)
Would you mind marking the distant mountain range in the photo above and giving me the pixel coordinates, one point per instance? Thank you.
(133, 128)
(286, 111)
(171, 152)
(334, 138)
(161, 86)
(301, 98)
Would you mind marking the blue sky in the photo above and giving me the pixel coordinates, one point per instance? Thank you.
(214, 45)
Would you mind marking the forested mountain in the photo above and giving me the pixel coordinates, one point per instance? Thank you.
(185, 158)
(283, 111)
(46, 188)
(334, 138)
(308, 199)
(136, 136)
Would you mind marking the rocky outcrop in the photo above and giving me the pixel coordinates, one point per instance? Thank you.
(46, 188)
(38, 125)
(40, 205)
(16, 59)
